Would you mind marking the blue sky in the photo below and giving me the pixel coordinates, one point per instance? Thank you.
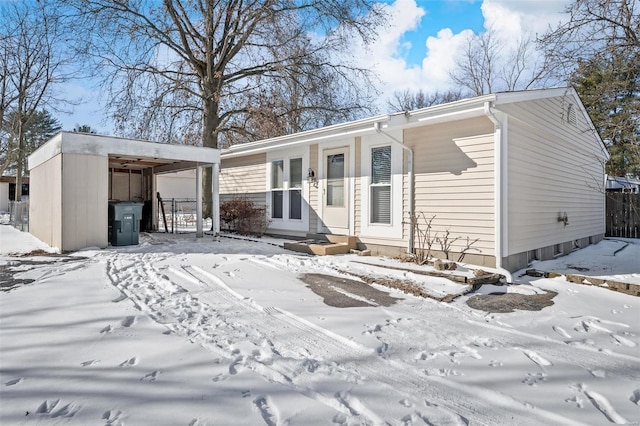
(457, 15)
(417, 51)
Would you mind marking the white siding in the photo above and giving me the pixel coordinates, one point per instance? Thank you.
(313, 191)
(45, 201)
(243, 177)
(553, 167)
(4, 196)
(177, 185)
(125, 185)
(84, 201)
(454, 180)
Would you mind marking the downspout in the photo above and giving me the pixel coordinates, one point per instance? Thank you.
(410, 244)
(498, 146)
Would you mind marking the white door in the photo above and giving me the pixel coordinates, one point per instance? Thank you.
(335, 190)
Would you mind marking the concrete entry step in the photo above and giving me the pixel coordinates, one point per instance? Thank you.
(323, 244)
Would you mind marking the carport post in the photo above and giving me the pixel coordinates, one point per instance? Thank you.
(215, 211)
(199, 232)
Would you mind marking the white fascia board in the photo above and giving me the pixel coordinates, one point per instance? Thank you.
(104, 146)
(46, 152)
(531, 95)
(305, 138)
(78, 143)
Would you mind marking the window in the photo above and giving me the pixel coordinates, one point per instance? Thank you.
(277, 188)
(286, 189)
(381, 180)
(380, 187)
(335, 180)
(295, 188)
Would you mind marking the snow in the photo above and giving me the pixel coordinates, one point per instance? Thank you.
(186, 331)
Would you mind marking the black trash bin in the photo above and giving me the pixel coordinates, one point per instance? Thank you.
(124, 222)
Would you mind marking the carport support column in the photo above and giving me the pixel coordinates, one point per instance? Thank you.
(215, 211)
(199, 232)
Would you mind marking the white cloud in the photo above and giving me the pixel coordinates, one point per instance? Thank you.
(511, 18)
(441, 58)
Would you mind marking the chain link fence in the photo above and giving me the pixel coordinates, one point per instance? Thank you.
(19, 215)
(178, 215)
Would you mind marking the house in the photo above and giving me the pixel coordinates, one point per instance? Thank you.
(74, 177)
(8, 191)
(623, 184)
(484, 171)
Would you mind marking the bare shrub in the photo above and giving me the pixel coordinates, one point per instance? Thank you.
(244, 217)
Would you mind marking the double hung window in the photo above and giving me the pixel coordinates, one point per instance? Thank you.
(380, 185)
(286, 189)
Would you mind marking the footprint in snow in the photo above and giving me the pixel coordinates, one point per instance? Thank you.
(533, 379)
(219, 378)
(129, 321)
(129, 362)
(246, 393)
(406, 403)
(113, 417)
(604, 406)
(623, 341)
(107, 329)
(119, 298)
(561, 332)
(53, 410)
(14, 381)
(575, 400)
(151, 377)
(90, 362)
(601, 374)
(267, 410)
(538, 359)
(635, 397)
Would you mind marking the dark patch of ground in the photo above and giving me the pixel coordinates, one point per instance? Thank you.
(8, 281)
(578, 268)
(327, 287)
(504, 303)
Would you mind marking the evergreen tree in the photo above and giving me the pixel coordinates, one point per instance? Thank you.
(40, 127)
(610, 90)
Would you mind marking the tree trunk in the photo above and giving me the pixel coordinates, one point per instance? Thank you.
(21, 147)
(211, 121)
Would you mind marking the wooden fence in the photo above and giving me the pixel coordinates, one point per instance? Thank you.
(623, 215)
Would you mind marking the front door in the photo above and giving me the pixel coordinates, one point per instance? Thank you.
(335, 190)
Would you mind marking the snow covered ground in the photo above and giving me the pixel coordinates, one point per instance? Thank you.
(179, 331)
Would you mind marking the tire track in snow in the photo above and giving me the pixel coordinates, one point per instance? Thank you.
(307, 349)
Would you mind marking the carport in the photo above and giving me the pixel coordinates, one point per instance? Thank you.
(74, 176)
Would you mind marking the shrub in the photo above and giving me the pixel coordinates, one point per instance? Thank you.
(244, 217)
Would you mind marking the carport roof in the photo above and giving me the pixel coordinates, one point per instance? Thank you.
(125, 153)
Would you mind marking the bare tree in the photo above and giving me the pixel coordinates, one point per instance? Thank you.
(488, 64)
(33, 62)
(598, 51)
(208, 59)
(409, 100)
(595, 29)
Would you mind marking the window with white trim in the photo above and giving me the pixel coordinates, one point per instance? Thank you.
(277, 188)
(380, 185)
(286, 189)
(381, 179)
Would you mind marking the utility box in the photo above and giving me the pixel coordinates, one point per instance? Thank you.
(124, 223)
